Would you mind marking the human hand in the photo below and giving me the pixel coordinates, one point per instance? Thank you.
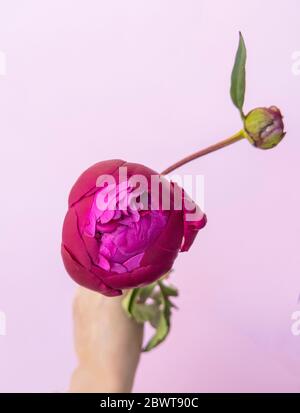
(108, 344)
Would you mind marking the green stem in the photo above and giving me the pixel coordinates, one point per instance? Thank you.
(222, 144)
(161, 286)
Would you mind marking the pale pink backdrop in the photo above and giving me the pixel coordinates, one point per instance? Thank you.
(148, 81)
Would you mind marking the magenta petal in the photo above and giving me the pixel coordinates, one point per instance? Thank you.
(109, 227)
(133, 262)
(107, 216)
(89, 229)
(191, 228)
(138, 277)
(126, 221)
(86, 183)
(135, 216)
(85, 277)
(103, 263)
(105, 251)
(119, 268)
(72, 240)
(118, 214)
(82, 209)
(166, 246)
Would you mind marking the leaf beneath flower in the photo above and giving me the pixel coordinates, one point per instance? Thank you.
(160, 334)
(152, 304)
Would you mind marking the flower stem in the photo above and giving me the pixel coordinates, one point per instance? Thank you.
(222, 144)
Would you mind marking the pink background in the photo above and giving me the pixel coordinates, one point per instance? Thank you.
(148, 81)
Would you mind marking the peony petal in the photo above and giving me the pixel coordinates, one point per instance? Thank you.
(118, 214)
(133, 262)
(119, 268)
(191, 228)
(71, 239)
(105, 251)
(135, 216)
(166, 247)
(86, 278)
(107, 216)
(82, 209)
(86, 183)
(138, 277)
(109, 227)
(103, 263)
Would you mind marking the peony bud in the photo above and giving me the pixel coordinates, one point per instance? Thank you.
(264, 127)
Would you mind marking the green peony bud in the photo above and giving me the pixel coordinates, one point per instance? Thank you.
(264, 127)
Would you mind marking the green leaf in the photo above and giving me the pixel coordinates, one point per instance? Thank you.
(151, 304)
(160, 334)
(145, 312)
(169, 290)
(129, 299)
(164, 322)
(146, 292)
(238, 76)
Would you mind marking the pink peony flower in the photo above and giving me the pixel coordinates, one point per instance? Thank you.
(112, 239)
